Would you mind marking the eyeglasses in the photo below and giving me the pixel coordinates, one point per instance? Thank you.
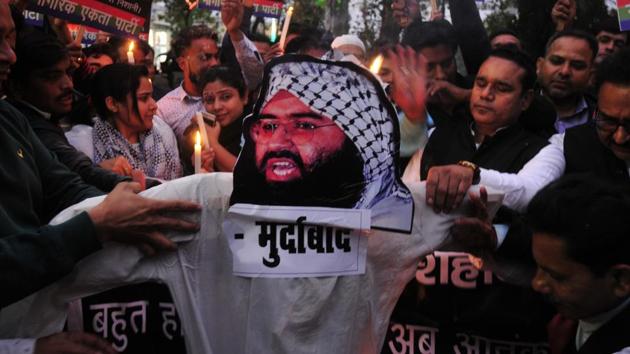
(609, 124)
(299, 131)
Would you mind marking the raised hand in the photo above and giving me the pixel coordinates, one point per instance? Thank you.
(408, 88)
(232, 16)
(563, 13)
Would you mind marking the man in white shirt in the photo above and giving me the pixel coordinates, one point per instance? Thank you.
(196, 50)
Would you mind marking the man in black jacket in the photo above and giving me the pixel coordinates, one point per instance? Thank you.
(35, 187)
(603, 146)
(479, 304)
(42, 89)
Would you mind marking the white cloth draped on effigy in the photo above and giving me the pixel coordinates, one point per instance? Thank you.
(305, 249)
(224, 313)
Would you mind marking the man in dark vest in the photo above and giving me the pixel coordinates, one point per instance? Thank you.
(600, 147)
(453, 301)
(582, 249)
(603, 146)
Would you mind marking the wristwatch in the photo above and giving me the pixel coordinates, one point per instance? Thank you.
(474, 168)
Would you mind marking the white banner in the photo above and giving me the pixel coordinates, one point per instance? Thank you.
(293, 242)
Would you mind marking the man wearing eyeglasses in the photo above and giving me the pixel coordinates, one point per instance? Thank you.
(603, 147)
(600, 147)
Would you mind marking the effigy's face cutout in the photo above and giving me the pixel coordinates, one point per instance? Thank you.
(323, 134)
(292, 141)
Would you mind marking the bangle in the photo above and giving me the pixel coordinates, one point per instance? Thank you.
(474, 168)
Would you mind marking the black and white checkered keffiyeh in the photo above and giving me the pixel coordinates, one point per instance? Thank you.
(350, 99)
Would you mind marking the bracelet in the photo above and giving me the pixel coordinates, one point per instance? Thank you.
(474, 168)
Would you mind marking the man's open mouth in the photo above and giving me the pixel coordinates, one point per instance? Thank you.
(282, 167)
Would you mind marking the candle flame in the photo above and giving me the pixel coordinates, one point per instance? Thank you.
(198, 138)
(376, 64)
(290, 11)
(131, 45)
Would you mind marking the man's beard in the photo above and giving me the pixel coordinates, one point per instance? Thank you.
(336, 182)
(196, 78)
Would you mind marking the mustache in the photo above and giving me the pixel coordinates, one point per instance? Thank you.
(65, 93)
(282, 154)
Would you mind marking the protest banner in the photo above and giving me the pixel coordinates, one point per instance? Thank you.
(33, 18)
(123, 17)
(623, 11)
(262, 8)
(89, 37)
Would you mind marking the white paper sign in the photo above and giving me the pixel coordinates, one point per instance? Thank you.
(294, 242)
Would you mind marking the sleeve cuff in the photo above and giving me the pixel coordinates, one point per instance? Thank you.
(501, 231)
(17, 346)
(76, 237)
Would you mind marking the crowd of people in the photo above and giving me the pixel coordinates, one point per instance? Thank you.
(549, 273)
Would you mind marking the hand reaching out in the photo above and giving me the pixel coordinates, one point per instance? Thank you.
(118, 165)
(476, 232)
(126, 217)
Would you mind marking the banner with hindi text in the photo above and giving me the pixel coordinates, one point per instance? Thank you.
(262, 8)
(122, 17)
(623, 11)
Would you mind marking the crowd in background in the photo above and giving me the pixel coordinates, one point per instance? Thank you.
(473, 108)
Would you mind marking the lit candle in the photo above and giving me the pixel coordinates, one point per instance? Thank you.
(197, 152)
(130, 58)
(202, 128)
(376, 64)
(285, 27)
(274, 29)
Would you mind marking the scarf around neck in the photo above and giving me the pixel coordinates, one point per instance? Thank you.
(151, 154)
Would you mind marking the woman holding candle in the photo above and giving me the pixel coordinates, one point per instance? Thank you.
(225, 96)
(127, 127)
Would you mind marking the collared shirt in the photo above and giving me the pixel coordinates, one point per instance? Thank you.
(587, 327)
(177, 108)
(578, 118)
(17, 345)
